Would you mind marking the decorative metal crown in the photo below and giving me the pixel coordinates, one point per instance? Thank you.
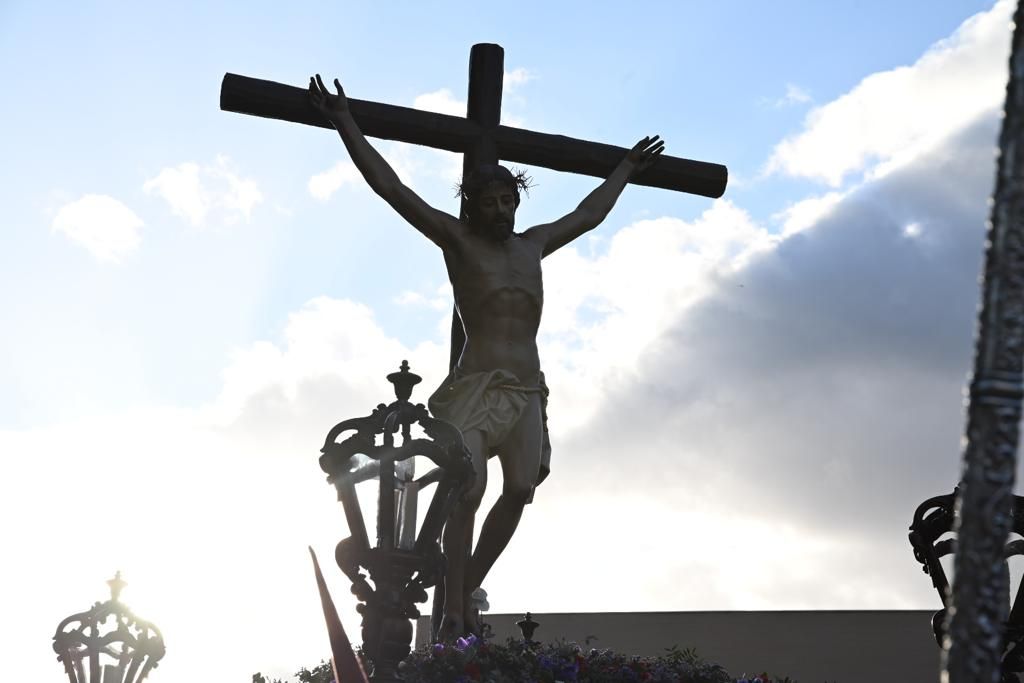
(107, 643)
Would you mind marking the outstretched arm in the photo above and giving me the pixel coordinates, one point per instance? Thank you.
(592, 210)
(379, 175)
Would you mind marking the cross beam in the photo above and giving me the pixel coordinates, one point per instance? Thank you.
(479, 136)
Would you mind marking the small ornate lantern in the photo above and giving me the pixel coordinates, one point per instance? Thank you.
(402, 564)
(527, 626)
(108, 644)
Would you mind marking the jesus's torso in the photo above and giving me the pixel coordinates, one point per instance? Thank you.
(499, 292)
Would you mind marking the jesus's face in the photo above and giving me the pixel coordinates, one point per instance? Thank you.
(496, 211)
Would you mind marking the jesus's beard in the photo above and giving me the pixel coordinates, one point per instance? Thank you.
(496, 227)
(501, 231)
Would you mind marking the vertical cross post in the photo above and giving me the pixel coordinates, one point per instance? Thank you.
(483, 107)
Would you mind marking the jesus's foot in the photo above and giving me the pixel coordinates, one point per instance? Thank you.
(475, 602)
(478, 600)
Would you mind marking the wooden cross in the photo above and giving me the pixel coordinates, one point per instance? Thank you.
(479, 136)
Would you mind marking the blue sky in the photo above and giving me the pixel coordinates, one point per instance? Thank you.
(114, 93)
(192, 297)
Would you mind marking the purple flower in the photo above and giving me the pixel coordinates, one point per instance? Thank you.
(568, 672)
(438, 649)
(462, 644)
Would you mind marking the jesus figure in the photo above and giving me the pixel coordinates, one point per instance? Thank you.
(495, 393)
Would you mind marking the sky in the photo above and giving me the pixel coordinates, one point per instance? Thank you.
(749, 395)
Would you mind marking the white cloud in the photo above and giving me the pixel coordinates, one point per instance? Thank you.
(515, 79)
(794, 95)
(241, 195)
(328, 343)
(108, 229)
(429, 172)
(806, 212)
(440, 302)
(406, 160)
(512, 84)
(601, 313)
(441, 101)
(181, 189)
(323, 185)
(896, 114)
(447, 168)
(410, 298)
(194, 192)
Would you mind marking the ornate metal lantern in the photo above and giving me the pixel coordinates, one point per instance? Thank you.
(108, 644)
(933, 536)
(403, 563)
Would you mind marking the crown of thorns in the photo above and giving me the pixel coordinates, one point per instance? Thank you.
(482, 176)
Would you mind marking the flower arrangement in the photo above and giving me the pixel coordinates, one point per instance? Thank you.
(472, 660)
(469, 660)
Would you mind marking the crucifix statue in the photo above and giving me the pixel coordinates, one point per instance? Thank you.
(495, 391)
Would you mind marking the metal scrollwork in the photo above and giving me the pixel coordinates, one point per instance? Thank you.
(932, 537)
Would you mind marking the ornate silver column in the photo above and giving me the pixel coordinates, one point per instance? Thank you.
(980, 600)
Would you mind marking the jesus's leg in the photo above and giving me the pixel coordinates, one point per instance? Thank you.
(458, 539)
(520, 463)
